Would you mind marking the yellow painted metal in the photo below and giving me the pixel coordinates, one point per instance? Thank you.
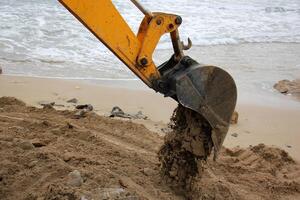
(150, 33)
(103, 19)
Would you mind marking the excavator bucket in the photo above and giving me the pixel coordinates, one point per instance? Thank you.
(208, 90)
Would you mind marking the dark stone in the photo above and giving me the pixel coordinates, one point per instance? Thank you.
(118, 112)
(87, 107)
(73, 100)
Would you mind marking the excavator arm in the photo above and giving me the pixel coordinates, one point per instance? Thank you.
(103, 19)
(208, 90)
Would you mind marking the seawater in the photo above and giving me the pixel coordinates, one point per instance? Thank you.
(41, 38)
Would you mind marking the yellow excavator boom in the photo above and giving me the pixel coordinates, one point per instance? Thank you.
(103, 19)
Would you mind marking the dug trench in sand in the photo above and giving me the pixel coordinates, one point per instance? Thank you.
(185, 148)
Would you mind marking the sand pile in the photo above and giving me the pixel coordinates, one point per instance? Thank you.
(48, 154)
(258, 172)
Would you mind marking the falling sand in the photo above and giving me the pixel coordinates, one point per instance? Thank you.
(186, 146)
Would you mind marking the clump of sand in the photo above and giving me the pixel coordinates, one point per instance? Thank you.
(185, 147)
(41, 149)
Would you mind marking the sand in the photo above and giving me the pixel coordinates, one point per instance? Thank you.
(185, 147)
(48, 154)
(51, 154)
(273, 125)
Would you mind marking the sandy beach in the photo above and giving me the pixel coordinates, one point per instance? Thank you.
(77, 124)
(48, 154)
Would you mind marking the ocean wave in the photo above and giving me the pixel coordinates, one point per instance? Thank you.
(46, 39)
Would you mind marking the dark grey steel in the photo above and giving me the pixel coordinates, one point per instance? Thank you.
(208, 90)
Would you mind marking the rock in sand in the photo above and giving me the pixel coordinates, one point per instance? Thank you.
(140, 115)
(113, 193)
(148, 172)
(26, 145)
(73, 100)
(46, 103)
(80, 114)
(118, 112)
(75, 179)
(234, 134)
(88, 107)
(83, 110)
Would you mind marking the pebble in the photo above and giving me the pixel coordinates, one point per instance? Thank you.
(87, 107)
(37, 143)
(45, 103)
(234, 134)
(32, 164)
(83, 198)
(79, 114)
(26, 145)
(149, 172)
(112, 193)
(140, 115)
(59, 105)
(118, 112)
(75, 179)
(73, 100)
(48, 106)
(173, 173)
(67, 157)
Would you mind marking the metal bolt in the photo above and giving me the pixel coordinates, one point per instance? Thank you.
(144, 61)
(171, 26)
(178, 20)
(158, 21)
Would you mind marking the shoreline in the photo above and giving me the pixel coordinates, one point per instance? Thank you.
(255, 67)
(269, 124)
(269, 98)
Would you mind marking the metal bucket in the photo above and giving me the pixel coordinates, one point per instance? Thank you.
(208, 90)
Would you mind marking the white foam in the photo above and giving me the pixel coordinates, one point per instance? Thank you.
(54, 43)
